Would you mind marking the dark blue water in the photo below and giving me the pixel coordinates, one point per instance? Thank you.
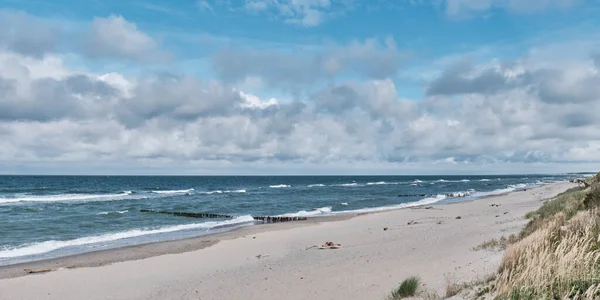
(49, 216)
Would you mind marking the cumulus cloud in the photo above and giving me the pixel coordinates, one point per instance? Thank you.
(115, 37)
(373, 58)
(25, 34)
(174, 120)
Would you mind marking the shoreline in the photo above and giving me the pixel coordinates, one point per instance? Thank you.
(242, 264)
(147, 250)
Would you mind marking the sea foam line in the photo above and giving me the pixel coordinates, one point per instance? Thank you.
(66, 197)
(314, 212)
(425, 201)
(280, 186)
(169, 192)
(112, 212)
(52, 245)
(223, 192)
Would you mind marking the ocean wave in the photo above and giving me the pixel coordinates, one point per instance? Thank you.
(484, 180)
(171, 192)
(348, 184)
(344, 203)
(316, 185)
(378, 183)
(52, 245)
(465, 180)
(508, 189)
(417, 181)
(65, 197)
(112, 212)
(314, 212)
(425, 201)
(280, 186)
(460, 194)
(223, 192)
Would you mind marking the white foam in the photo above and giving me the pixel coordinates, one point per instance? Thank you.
(170, 192)
(349, 184)
(314, 212)
(424, 201)
(484, 180)
(222, 192)
(112, 212)
(442, 180)
(377, 183)
(417, 181)
(460, 194)
(510, 188)
(48, 246)
(465, 180)
(344, 203)
(66, 197)
(280, 186)
(316, 185)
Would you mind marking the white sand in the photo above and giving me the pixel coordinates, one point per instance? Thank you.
(370, 264)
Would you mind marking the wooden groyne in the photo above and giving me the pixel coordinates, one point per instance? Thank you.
(189, 215)
(219, 216)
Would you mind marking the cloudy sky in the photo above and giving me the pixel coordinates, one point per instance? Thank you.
(299, 86)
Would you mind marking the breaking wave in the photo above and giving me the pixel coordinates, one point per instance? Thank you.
(112, 212)
(280, 186)
(425, 201)
(378, 183)
(312, 213)
(52, 245)
(223, 192)
(66, 197)
(171, 192)
(316, 185)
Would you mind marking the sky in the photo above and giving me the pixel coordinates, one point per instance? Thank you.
(299, 87)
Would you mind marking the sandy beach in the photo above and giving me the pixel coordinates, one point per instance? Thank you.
(279, 261)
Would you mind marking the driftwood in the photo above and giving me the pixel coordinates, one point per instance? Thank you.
(219, 216)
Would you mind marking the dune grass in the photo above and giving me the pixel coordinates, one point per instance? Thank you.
(407, 288)
(558, 253)
(497, 244)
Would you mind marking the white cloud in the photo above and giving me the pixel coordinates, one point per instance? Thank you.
(371, 58)
(26, 34)
(160, 122)
(115, 37)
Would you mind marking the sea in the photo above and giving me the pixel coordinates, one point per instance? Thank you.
(43, 217)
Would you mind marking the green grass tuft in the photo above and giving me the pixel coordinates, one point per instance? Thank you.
(407, 288)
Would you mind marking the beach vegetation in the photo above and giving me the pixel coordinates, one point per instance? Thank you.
(557, 255)
(407, 288)
(497, 244)
(453, 288)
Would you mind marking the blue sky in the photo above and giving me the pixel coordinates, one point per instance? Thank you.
(303, 85)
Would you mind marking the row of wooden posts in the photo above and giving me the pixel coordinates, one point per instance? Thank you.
(219, 216)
